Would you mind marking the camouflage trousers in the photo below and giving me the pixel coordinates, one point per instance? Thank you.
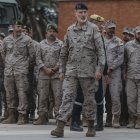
(115, 88)
(16, 87)
(44, 86)
(133, 96)
(70, 85)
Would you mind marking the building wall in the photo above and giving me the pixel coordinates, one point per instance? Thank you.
(125, 12)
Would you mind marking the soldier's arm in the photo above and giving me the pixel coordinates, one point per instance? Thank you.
(125, 61)
(99, 50)
(39, 61)
(64, 55)
(120, 58)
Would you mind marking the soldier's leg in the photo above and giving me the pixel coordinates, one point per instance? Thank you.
(108, 102)
(77, 109)
(56, 86)
(22, 89)
(137, 126)
(89, 87)
(69, 92)
(43, 97)
(124, 109)
(99, 100)
(31, 96)
(115, 89)
(51, 104)
(9, 84)
(0, 97)
(131, 90)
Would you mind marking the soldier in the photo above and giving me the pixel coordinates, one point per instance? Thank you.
(115, 54)
(48, 62)
(132, 70)
(31, 96)
(99, 97)
(124, 108)
(2, 36)
(16, 52)
(78, 57)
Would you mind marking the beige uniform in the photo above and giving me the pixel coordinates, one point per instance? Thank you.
(16, 54)
(78, 60)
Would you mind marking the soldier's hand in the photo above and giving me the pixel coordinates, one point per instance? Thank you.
(98, 76)
(61, 76)
(48, 71)
(109, 71)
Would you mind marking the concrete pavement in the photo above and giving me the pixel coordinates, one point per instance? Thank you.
(31, 132)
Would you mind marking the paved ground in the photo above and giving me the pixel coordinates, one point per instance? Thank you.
(31, 132)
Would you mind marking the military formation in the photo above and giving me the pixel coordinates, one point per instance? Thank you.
(69, 79)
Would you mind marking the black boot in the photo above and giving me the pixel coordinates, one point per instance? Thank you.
(108, 120)
(99, 126)
(76, 127)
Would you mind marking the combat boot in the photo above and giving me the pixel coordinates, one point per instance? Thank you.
(137, 126)
(108, 120)
(22, 119)
(75, 127)
(99, 126)
(32, 115)
(42, 119)
(91, 131)
(59, 131)
(132, 120)
(11, 117)
(68, 123)
(116, 123)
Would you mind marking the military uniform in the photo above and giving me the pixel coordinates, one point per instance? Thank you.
(1, 79)
(115, 53)
(132, 69)
(31, 96)
(78, 62)
(48, 56)
(16, 53)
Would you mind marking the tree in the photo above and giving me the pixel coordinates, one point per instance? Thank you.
(37, 14)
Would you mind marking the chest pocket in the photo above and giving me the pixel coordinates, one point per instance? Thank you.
(22, 48)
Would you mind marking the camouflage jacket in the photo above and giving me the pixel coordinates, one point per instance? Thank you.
(81, 48)
(16, 54)
(114, 52)
(132, 59)
(48, 55)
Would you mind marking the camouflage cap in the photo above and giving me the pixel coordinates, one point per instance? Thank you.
(81, 6)
(52, 26)
(126, 30)
(2, 34)
(131, 31)
(18, 22)
(137, 29)
(110, 24)
(97, 18)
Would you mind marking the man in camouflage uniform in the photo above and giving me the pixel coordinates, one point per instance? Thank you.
(132, 70)
(78, 61)
(115, 54)
(99, 97)
(16, 52)
(123, 97)
(2, 35)
(48, 63)
(31, 96)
